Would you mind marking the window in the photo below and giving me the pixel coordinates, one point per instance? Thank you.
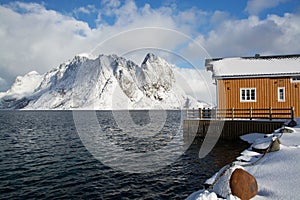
(295, 79)
(248, 94)
(281, 94)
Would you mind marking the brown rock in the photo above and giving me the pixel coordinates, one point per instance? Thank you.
(275, 146)
(243, 184)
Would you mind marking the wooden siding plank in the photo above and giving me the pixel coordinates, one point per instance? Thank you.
(266, 93)
(230, 131)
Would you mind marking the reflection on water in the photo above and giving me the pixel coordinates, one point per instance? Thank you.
(42, 156)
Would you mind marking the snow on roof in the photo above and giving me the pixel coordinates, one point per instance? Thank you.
(254, 66)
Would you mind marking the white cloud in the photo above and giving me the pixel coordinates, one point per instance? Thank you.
(205, 90)
(34, 38)
(38, 39)
(109, 6)
(254, 7)
(273, 35)
(111, 3)
(85, 9)
(218, 17)
(3, 84)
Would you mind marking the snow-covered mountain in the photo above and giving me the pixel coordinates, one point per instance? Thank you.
(105, 82)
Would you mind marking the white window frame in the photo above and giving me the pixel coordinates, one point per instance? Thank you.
(279, 94)
(295, 79)
(249, 90)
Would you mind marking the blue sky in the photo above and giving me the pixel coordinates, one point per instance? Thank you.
(39, 35)
(236, 8)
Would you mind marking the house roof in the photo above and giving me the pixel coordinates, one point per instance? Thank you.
(258, 66)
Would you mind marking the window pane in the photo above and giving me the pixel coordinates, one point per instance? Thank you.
(248, 94)
(243, 95)
(253, 94)
(281, 94)
(297, 78)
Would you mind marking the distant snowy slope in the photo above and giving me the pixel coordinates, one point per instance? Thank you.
(24, 85)
(105, 82)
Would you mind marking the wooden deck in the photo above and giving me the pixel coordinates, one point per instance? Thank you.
(229, 129)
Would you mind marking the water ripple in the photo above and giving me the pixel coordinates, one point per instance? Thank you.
(42, 157)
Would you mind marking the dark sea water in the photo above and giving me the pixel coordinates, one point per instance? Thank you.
(43, 157)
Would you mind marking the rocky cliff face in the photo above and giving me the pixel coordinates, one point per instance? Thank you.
(105, 82)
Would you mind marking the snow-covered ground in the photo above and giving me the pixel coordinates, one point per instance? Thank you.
(277, 173)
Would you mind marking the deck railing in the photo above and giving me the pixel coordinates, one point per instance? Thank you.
(241, 113)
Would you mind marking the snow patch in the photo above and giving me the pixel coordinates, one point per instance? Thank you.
(277, 173)
(251, 137)
(23, 85)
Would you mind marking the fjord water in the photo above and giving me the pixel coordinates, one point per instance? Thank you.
(43, 157)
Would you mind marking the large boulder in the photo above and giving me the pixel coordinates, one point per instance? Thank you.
(243, 184)
(269, 143)
(275, 146)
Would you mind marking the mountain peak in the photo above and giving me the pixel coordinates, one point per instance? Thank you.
(104, 82)
(85, 55)
(149, 57)
(32, 73)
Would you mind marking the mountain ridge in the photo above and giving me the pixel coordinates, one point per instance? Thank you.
(106, 82)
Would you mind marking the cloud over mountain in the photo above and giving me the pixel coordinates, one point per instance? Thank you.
(35, 37)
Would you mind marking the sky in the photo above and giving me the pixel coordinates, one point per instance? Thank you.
(40, 35)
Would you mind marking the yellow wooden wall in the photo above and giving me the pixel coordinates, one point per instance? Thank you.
(266, 93)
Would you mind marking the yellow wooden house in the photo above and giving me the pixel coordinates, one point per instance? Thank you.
(257, 82)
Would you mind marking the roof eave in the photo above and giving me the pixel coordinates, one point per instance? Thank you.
(257, 76)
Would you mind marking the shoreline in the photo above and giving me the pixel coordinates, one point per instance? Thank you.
(276, 172)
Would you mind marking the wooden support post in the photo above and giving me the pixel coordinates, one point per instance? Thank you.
(200, 113)
(186, 114)
(292, 113)
(270, 113)
(251, 113)
(232, 113)
(215, 113)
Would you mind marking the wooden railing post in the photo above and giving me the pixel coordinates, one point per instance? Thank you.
(216, 113)
(292, 113)
(193, 112)
(200, 113)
